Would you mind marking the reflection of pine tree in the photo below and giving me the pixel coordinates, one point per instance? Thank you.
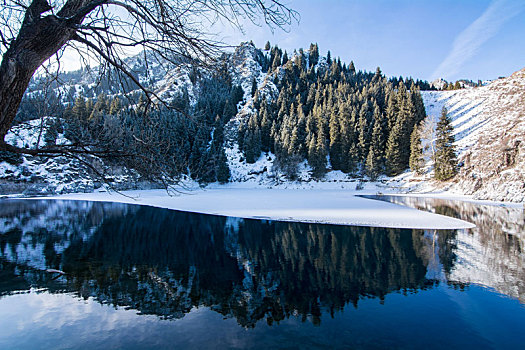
(303, 269)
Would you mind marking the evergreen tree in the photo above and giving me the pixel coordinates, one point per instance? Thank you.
(254, 87)
(79, 110)
(276, 59)
(229, 110)
(267, 46)
(313, 55)
(317, 150)
(100, 108)
(336, 142)
(416, 161)
(223, 170)
(392, 109)
(265, 127)
(351, 68)
(377, 77)
(365, 131)
(252, 141)
(237, 94)
(52, 130)
(285, 58)
(115, 106)
(372, 166)
(375, 160)
(352, 159)
(393, 153)
(445, 160)
(419, 107)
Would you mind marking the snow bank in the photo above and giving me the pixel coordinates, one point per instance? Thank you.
(328, 206)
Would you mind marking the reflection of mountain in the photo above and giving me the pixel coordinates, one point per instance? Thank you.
(164, 262)
(34, 233)
(492, 253)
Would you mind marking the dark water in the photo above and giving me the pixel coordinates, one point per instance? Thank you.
(140, 277)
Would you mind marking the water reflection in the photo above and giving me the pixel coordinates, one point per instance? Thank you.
(491, 254)
(165, 263)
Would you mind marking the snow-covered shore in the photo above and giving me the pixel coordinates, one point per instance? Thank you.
(331, 206)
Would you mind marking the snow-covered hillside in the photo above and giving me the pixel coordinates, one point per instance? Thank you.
(489, 124)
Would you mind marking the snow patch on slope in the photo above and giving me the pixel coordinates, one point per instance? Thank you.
(489, 126)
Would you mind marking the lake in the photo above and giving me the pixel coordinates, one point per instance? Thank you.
(85, 275)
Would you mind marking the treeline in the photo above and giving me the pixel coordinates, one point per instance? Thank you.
(460, 84)
(159, 143)
(326, 112)
(332, 116)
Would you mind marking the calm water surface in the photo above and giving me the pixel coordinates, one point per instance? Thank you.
(141, 277)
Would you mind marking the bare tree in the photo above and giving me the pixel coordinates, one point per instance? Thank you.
(34, 31)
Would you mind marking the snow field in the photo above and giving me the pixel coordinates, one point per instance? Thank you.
(327, 206)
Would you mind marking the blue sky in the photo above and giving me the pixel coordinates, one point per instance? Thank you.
(454, 39)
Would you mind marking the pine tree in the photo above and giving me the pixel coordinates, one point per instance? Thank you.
(416, 161)
(393, 153)
(417, 101)
(267, 46)
(51, 134)
(252, 140)
(336, 144)
(285, 58)
(351, 68)
(365, 131)
(265, 127)
(276, 60)
(351, 161)
(398, 144)
(223, 170)
(317, 150)
(445, 160)
(100, 108)
(229, 110)
(313, 55)
(375, 161)
(377, 77)
(254, 87)
(372, 166)
(79, 110)
(298, 140)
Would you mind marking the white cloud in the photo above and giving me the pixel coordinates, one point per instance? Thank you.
(467, 43)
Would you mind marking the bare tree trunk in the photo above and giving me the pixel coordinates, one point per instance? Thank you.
(39, 38)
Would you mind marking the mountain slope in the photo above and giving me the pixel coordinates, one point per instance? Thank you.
(489, 124)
